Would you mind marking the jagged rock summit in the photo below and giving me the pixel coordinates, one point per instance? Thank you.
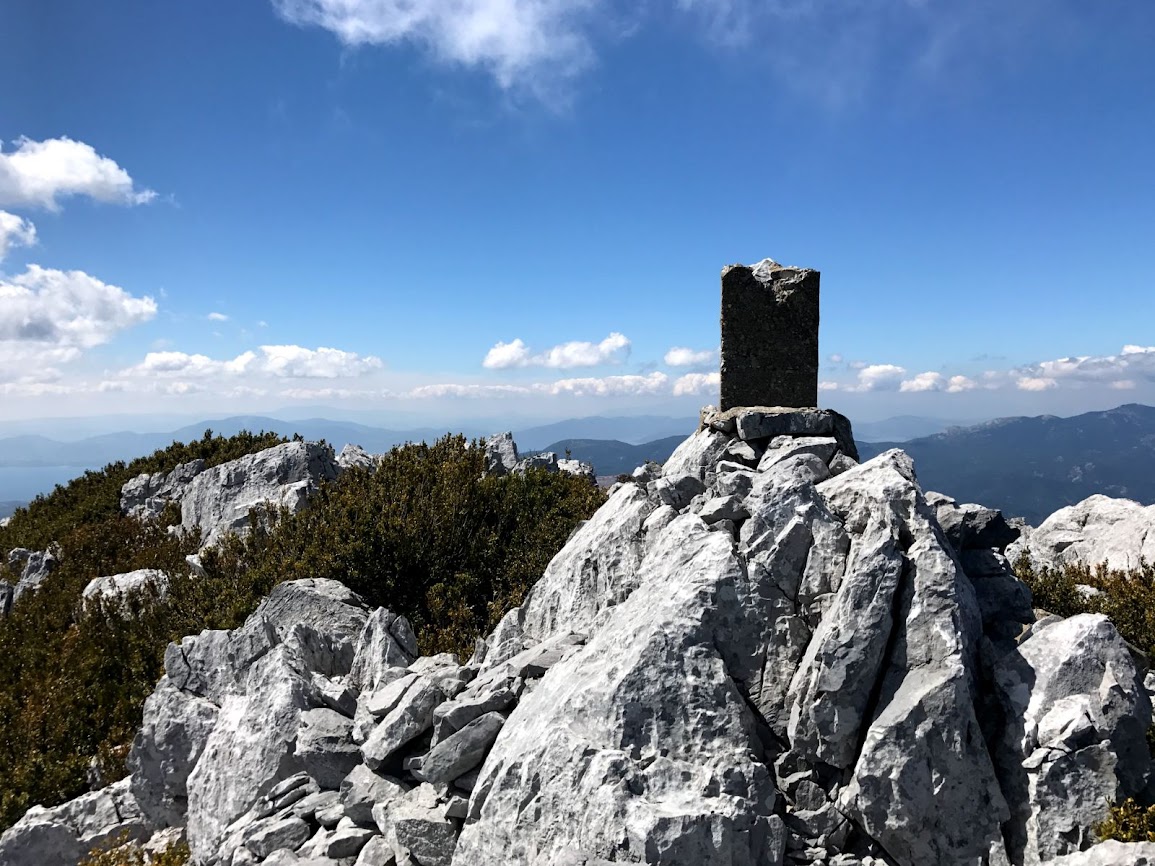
(761, 653)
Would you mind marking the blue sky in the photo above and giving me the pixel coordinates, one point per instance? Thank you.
(219, 206)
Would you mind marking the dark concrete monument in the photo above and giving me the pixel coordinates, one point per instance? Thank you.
(769, 336)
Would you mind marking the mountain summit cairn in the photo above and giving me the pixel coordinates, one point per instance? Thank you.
(769, 336)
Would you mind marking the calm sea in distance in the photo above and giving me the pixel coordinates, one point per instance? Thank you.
(24, 483)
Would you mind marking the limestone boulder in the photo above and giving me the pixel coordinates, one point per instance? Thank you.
(172, 736)
(1074, 740)
(251, 748)
(32, 568)
(386, 641)
(545, 462)
(62, 835)
(355, 457)
(597, 569)
(362, 789)
(580, 468)
(1099, 529)
(418, 828)
(500, 454)
(325, 747)
(116, 587)
(1111, 853)
(218, 500)
(970, 526)
(410, 716)
(600, 747)
(146, 496)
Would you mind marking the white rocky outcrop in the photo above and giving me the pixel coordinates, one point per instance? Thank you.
(218, 500)
(62, 835)
(147, 495)
(116, 586)
(32, 566)
(761, 654)
(1099, 529)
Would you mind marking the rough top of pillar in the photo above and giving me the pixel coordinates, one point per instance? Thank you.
(777, 277)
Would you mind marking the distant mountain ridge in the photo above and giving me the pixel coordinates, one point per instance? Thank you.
(611, 457)
(1033, 466)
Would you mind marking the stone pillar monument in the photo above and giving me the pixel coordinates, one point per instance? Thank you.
(769, 336)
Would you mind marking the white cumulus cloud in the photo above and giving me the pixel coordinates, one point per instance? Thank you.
(468, 391)
(505, 355)
(519, 42)
(697, 383)
(605, 386)
(286, 362)
(40, 173)
(611, 386)
(932, 381)
(680, 356)
(15, 232)
(1132, 364)
(879, 377)
(53, 308)
(516, 353)
(217, 317)
(1035, 383)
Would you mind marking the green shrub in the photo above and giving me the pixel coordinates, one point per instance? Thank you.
(124, 852)
(1128, 822)
(1127, 596)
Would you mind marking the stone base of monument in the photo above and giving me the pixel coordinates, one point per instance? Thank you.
(766, 422)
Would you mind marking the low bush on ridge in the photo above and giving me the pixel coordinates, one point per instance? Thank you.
(124, 852)
(422, 533)
(1125, 596)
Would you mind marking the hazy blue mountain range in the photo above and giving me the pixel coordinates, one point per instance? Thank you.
(634, 430)
(1030, 467)
(902, 427)
(1026, 466)
(611, 457)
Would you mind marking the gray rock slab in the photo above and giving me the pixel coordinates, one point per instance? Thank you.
(174, 731)
(1074, 741)
(218, 500)
(325, 746)
(1098, 529)
(250, 749)
(595, 570)
(362, 789)
(288, 833)
(376, 852)
(411, 717)
(822, 447)
(1111, 853)
(462, 751)
(417, 823)
(500, 454)
(145, 496)
(386, 641)
(117, 586)
(454, 715)
(601, 742)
